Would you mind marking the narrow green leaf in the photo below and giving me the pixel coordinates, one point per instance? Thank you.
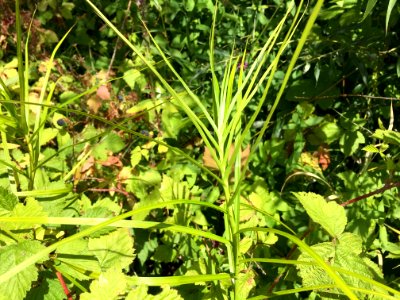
(368, 9)
(392, 4)
(177, 280)
(331, 216)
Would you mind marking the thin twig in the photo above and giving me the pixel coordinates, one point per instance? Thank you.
(116, 43)
(387, 186)
(350, 95)
(64, 286)
(125, 193)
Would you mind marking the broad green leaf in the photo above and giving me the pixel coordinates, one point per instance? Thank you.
(330, 132)
(47, 288)
(199, 218)
(352, 242)
(245, 244)
(136, 156)
(110, 285)
(47, 135)
(66, 10)
(8, 201)
(246, 283)
(131, 77)
(110, 143)
(98, 212)
(10, 256)
(331, 216)
(347, 259)
(171, 121)
(391, 137)
(371, 148)
(315, 275)
(165, 253)
(350, 141)
(393, 249)
(114, 249)
(189, 5)
(32, 208)
(75, 259)
(343, 255)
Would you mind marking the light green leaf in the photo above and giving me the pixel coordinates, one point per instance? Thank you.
(189, 5)
(66, 10)
(368, 9)
(331, 216)
(32, 208)
(371, 148)
(392, 4)
(136, 156)
(47, 289)
(111, 143)
(391, 137)
(131, 76)
(114, 249)
(75, 259)
(10, 256)
(343, 255)
(352, 241)
(245, 244)
(246, 282)
(315, 275)
(109, 286)
(347, 259)
(199, 218)
(47, 135)
(350, 141)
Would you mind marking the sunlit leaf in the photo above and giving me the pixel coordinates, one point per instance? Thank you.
(330, 215)
(110, 285)
(12, 255)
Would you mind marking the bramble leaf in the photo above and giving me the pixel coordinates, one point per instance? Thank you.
(11, 255)
(114, 249)
(108, 286)
(7, 201)
(76, 260)
(331, 216)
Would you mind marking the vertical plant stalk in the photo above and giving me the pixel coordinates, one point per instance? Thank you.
(22, 95)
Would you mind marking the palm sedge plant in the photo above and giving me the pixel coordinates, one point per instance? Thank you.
(224, 137)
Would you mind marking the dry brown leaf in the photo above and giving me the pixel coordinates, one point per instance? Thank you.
(94, 103)
(112, 161)
(210, 163)
(103, 93)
